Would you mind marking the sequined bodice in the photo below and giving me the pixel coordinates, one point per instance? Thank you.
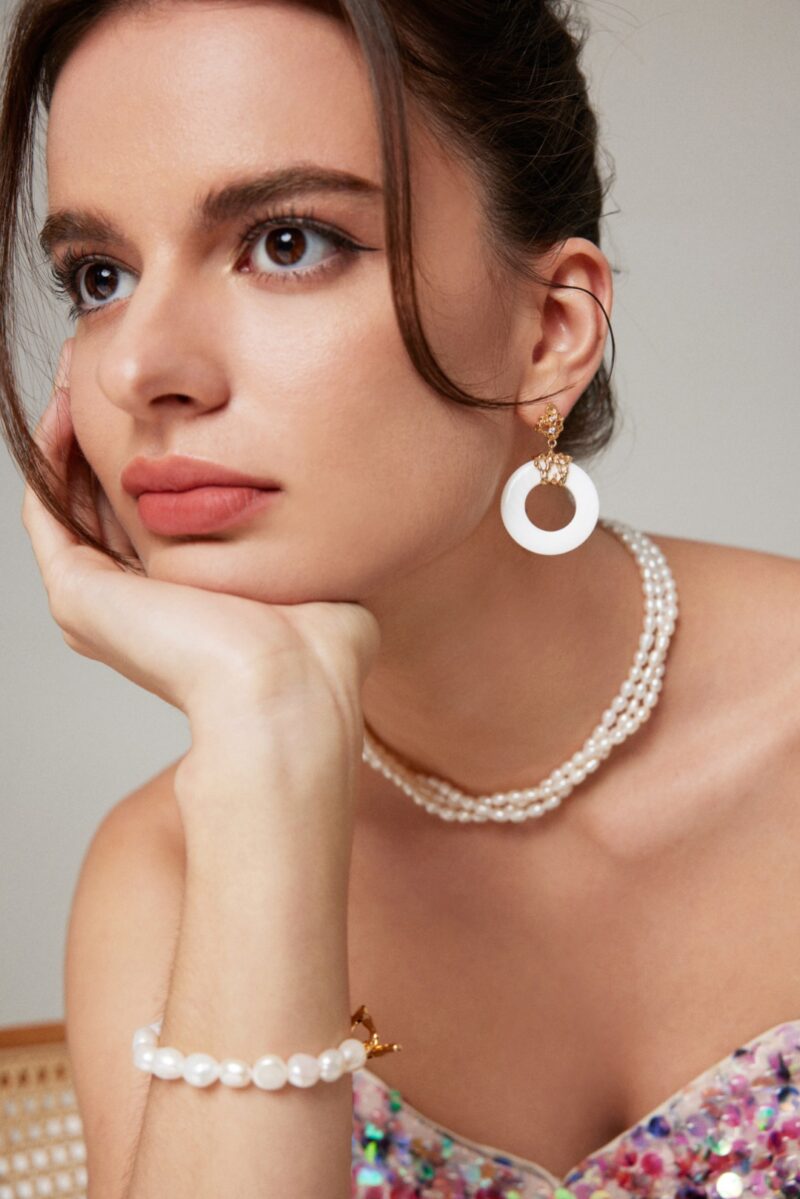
(734, 1130)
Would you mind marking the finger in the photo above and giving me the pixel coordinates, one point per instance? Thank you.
(54, 428)
(53, 436)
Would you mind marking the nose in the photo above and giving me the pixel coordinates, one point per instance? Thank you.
(162, 356)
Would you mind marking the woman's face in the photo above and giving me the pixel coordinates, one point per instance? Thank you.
(199, 344)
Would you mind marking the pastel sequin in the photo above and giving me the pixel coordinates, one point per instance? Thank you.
(733, 1131)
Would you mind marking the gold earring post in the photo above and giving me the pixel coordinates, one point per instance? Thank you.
(552, 467)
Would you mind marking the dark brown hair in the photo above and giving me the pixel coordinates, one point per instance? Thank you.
(498, 80)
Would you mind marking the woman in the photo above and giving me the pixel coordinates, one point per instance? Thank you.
(568, 968)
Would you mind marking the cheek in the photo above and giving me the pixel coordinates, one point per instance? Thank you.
(384, 473)
(97, 437)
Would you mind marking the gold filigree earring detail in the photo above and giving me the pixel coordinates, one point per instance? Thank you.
(558, 470)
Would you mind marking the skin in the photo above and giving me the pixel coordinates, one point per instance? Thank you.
(490, 666)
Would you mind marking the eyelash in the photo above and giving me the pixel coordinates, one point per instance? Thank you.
(64, 274)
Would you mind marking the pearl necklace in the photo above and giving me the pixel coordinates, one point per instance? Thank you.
(629, 709)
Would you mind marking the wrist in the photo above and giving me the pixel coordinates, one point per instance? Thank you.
(267, 810)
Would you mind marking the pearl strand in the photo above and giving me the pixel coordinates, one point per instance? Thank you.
(269, 1072)
(628, 710)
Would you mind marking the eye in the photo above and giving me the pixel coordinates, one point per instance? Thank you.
(94, 282)
(294, 249)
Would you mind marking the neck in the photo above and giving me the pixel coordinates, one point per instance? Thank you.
(496, 663)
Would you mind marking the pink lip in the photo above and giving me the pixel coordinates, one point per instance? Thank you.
(200, 509)
(180, 473)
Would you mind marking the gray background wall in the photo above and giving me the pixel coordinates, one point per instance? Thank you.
(699, 103)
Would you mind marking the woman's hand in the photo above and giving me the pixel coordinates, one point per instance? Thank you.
(217, 657)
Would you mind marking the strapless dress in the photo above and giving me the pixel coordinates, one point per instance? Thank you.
(732, 1131)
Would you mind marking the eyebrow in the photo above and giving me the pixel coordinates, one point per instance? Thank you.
(221, 204)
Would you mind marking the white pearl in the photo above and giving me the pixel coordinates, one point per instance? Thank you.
(302, 1070)
(200, 1069)
(235, 1073)
(144, 1036)
(353, 1052)
(331, 1065)
(143, 1057)
(269, 1072)
(167, 1062)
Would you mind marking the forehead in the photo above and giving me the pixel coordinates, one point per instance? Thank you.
(155, 102)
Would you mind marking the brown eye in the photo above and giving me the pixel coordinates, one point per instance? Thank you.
(98, 282)
(293, 250)
(286, 245)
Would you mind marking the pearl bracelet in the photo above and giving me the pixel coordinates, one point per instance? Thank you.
(269, 1072)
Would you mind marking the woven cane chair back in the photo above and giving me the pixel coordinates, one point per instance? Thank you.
(42, 1152)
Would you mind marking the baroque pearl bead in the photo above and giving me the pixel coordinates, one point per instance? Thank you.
(270, 1072)
(302, 1070)
(331, 1065)
(235, 1073)
(167, 1062)
(353, 1052)
(200, 1070)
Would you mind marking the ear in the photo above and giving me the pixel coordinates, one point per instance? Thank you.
(571, 330)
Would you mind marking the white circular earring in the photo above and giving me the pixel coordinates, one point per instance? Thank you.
(559, 470)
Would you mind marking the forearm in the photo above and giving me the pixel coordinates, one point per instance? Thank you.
(260, 967)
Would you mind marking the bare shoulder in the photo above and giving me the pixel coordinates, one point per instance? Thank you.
(752, 595)
(713, 557)
(737, 643)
